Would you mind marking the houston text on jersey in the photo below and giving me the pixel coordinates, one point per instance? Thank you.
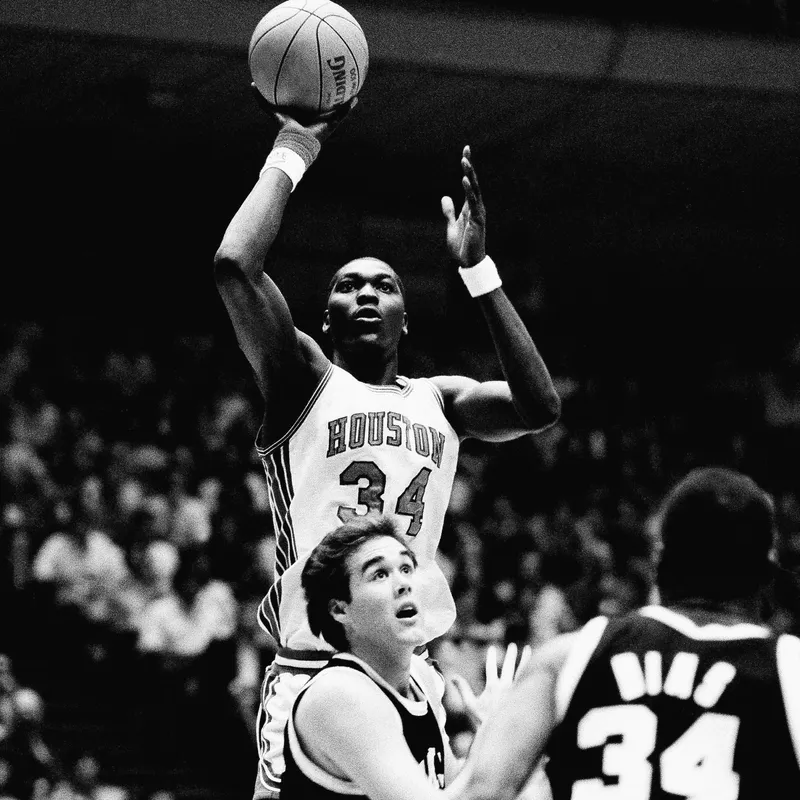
(384, 428)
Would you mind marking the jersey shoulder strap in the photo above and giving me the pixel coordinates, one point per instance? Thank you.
(787, 654)
(582, 649)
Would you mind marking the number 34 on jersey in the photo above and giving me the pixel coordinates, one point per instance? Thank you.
(371, 483)
(698, 764)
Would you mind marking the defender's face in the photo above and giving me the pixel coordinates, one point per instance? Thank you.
(383, 611)
(366, 306)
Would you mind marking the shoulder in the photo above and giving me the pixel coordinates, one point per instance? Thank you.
(342, 685)
(566, 658)
(553, 655)
(340, 701)
(287, 407)
(569, 650)
(451, 386)
(312, 354)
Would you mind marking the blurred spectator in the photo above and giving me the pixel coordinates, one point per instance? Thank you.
(780, 443)
(86, 783)
(84, 567)
(153, 565)
(191, 517)
(180, 624)
(553, 611)
(25, 759)
(129, 485)
(26, 483)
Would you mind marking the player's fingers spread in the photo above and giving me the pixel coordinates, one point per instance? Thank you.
(491, 665)
(527, 651)
(509, 662)
(473, 179)
(473, 201)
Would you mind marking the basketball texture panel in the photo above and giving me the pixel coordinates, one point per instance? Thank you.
(271, 39)
(297, 83)
(311, 6)
(353, 36)
(308, 55)
(274, 19)
(329, 8)
(344, 61)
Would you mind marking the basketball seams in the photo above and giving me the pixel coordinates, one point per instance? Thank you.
(351, 20)
(269, 30)
(282, 57)
(286, 53)
(349, 49)
(319, 64)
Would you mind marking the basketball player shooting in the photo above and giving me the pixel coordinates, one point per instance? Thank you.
(348, 435)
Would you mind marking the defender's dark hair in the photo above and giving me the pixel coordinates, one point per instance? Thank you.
(325, 576)
(717, 528)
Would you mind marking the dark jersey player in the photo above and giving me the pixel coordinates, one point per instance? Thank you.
(694, 698)
(371, 722)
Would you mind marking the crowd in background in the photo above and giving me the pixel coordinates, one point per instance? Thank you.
(136, 538)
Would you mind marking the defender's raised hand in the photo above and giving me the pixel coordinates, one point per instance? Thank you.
(466, 234)
(478, 708)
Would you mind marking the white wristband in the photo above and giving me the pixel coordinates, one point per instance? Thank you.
(287, 161)
(482, 278)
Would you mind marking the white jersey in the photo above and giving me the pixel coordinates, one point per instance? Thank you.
(356, 448)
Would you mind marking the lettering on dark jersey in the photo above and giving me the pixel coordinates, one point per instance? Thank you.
(636, 677)
(434, 768)
(382, 428)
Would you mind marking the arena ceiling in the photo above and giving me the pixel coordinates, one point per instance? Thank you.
(662, 155)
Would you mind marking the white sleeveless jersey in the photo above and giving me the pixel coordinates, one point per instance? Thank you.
(357, 448)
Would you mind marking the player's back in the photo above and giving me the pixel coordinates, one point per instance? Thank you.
(677, 703)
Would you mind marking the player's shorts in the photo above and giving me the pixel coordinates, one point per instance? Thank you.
(289, 671)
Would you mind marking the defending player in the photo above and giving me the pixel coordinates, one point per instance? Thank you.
(691, 699)
(346, 436)
(371, 722)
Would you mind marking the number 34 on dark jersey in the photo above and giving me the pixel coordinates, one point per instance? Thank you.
(669, 703)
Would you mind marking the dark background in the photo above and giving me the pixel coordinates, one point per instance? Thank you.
(640, 165)
(643, 218)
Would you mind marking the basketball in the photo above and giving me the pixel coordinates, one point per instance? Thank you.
(308, 56)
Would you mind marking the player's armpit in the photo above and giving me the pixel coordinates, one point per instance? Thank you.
(287, 365)
(350, 725)
(484, 411)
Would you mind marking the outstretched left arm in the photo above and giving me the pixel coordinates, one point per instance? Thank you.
(509, 745)
(527, 400)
